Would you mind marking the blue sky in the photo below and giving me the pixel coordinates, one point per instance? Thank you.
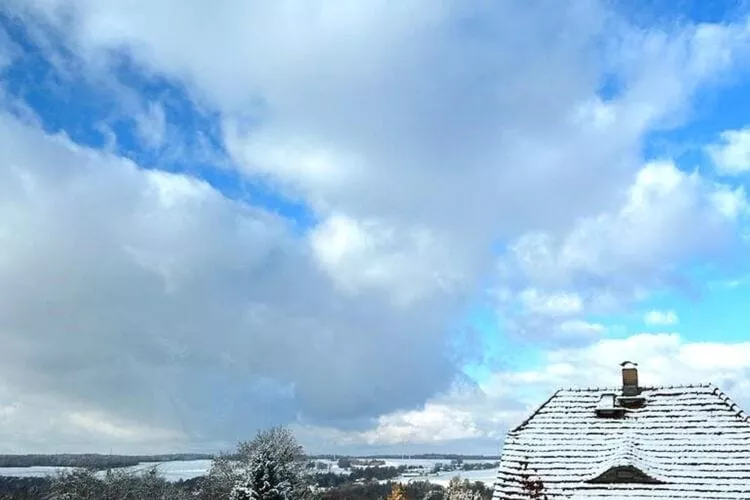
(391, 228)
(92, 115)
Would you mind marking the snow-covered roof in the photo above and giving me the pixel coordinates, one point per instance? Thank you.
(689, 442)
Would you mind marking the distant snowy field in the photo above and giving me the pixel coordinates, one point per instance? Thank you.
(486, 476)
(172, 471)
(189, 469)
(177, 470)
(35, 471)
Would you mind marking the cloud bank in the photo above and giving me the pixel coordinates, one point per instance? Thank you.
(446, 154)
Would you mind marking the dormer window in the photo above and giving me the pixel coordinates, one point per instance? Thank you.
(607, 406)
(607, 401)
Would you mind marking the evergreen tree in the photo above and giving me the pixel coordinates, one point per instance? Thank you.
(270, 467)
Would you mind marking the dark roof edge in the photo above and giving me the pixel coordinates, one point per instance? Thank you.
(533, 414)
(731, 404)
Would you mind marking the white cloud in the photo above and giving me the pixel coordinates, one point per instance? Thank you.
(553, 304)
(613, 259)
(405, 264)
(732, 203)
(148, 299)
(731, 156)
(436, 422)
(661, 318)
(550, 283)
(302, 167)
(580, 327)
(36, 423)
(669, 216)
(99, 424)
(151, 125)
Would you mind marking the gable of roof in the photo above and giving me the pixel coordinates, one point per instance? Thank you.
(624, 473)
(688, 442)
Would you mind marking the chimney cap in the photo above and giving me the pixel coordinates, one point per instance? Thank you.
(625, 363)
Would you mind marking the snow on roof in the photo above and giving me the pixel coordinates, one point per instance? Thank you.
(690, 442)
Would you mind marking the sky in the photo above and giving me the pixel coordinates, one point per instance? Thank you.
(395, 227)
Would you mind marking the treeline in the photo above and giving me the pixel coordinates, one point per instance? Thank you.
(331, 479)
(417, 490)
(459, 465)
(93, 460)
(347, 463)
(479, 466)
(422, 456)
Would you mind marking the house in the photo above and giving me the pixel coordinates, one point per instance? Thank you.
(684, 442)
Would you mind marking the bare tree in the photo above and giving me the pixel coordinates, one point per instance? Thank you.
(461, 490)
(397, 492)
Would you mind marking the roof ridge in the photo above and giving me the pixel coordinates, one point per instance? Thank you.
(646, 387)
(708, 385)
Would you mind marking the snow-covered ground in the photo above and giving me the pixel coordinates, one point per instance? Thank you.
(332, 466)
(176, 470)
(35, 471)
(172, 471)
(487, 477)
(188, 469)
(428, 463)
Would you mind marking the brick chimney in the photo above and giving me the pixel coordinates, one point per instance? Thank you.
(630, 379)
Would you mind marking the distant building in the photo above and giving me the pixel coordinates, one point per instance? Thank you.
(688, 442)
